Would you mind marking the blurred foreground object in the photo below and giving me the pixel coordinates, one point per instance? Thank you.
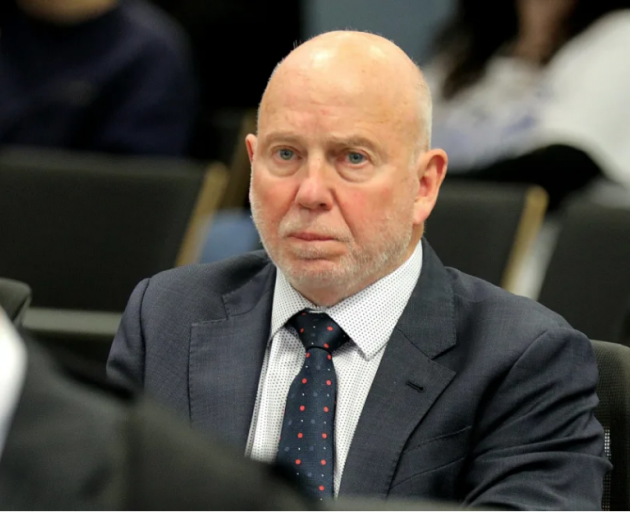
(15, 298)
(73, 444)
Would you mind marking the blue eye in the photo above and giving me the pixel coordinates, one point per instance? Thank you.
(356, 158)
(285, 154)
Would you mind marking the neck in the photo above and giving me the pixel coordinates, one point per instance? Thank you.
(66, 12)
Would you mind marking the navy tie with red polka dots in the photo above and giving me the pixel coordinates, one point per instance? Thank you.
(308, 428)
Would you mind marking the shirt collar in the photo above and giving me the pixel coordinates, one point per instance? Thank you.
(368, 317)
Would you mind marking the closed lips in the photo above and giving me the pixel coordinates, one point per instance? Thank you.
(311, 237)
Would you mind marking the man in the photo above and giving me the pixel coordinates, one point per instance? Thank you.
(445, 387)
(94, 75)
(67, 444)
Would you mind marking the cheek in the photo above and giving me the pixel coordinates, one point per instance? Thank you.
(366, 208)
(362, 209)
(273, 196)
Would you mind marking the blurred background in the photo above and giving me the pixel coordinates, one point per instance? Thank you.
(122, 126)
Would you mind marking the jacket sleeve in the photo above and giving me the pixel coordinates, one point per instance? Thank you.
(538, 444)
(126, 362)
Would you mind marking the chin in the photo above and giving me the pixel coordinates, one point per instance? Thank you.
(312, 267)
(317, 273)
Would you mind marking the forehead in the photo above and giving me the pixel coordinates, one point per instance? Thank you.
(353, 97)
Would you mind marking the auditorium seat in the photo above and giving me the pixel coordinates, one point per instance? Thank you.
(588, 277)
(83, 229)
(486, 229)
(613, 412)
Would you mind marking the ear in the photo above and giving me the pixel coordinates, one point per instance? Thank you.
(431, 172)
(251, 141)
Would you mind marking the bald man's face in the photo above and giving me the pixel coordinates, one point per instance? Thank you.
(335, 179)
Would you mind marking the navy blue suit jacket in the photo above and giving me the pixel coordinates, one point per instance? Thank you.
(481, 397)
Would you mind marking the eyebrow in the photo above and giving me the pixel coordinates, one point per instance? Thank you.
(351, 141)
(355, 141)
(272, 137)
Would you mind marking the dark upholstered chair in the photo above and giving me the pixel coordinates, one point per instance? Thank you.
(486, 229)
(613, 413)
(82, 230)
(624, 330)
(588, 277)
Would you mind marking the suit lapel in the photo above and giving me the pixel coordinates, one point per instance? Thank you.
(406, 385)
(226, 357)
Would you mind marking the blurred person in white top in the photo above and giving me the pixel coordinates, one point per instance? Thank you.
(535, 91)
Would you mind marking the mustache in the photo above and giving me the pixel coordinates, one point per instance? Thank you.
(292, 226)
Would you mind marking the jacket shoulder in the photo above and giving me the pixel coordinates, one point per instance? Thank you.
(491, 308)
(198, 290)
(223, 275)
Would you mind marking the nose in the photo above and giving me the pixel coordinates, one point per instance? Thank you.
(315, 192)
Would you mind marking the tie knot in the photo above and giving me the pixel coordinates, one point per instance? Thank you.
(318, 330)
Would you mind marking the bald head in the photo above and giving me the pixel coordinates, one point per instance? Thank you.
(342, 174)
(359, 64)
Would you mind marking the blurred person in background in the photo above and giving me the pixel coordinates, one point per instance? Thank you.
(535, 91)
(95, 75)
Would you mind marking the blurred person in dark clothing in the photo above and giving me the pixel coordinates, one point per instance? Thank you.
(95, 75)
(535, 91)
(69, 443)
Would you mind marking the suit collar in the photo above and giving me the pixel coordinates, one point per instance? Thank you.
(428, 321)
(243, 300)
(222, 399)
(407, 383)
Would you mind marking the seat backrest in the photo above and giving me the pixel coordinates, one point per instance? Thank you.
(613, 412)
(82, 230)
(238, 186)
(15, 298)
(486, 229)
(588, 277)
(624, 331)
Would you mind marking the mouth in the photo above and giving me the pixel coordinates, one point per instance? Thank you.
(311, 237)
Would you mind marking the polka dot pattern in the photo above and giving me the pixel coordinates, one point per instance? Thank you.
(369, 317)
(308, 425)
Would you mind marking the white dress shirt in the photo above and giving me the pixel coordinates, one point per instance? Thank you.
(12, 370)
(368, 318)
